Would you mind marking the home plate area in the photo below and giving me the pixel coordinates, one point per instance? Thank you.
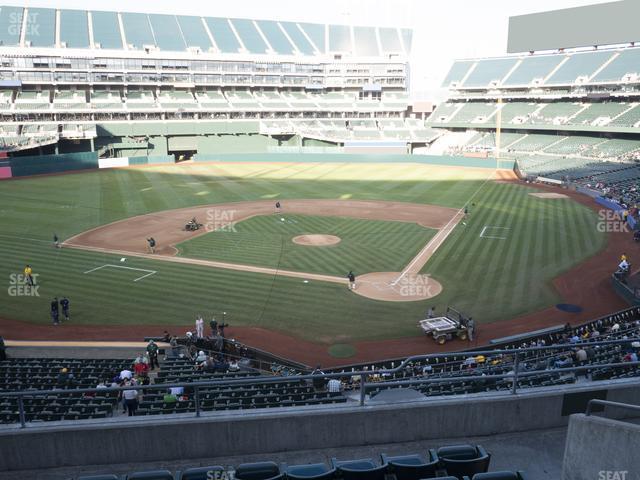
(397, 287)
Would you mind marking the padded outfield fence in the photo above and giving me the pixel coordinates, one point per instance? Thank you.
(365, 377)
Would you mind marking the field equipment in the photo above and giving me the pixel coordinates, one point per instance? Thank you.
(193, 225)
(452, 324)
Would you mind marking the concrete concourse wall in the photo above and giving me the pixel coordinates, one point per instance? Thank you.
(148, 439)
(601, 449)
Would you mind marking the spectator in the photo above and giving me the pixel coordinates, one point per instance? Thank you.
(174, 347)
(140, 367)
(581, 355)
(334, 385)
(202, 357)
(318, 382)
(169, 397)
(126, 374)
(130, 397)
(152, 351)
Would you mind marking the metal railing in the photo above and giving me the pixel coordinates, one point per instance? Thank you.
(364, 376)
(607, 403)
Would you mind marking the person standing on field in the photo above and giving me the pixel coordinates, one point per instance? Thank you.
(352, 280)
(64, 303)
(28, 275)
(54, 311)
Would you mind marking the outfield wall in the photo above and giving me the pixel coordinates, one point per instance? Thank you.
(453, 161)
(14, 167)
(183, 437)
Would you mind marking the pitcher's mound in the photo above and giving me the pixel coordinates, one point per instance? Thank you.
(316, 240)
(549, 195)
(394, 287)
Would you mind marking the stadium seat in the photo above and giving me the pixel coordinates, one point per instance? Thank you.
(258, 471)
(412, 467)
(99, 477)
(315, 471)
(498, 476)
(461, 460)
(151, 475)
(198, 473)
(363, 469)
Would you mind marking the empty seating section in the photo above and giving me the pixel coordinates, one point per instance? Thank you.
(389, 40)
(340, 39)
(555, 113)
(489, 71)
(74, 28)
(532, 68)
(458, 72)
(626, 63)
(629, 118)
(137, 30)
(70, 100)
(444, 112)
(578, 65)
(474, 113)
(48, 374)
(365, 42)
(106, 99)
(517, 112)
(251, 38)
(596, 112)
(301, 42)
(10, 16)
(277, 39)
(167, 33)
(194, 33)
(33, 100)
(106, 30)
(535, 142)
(574, 145)
(40, 27)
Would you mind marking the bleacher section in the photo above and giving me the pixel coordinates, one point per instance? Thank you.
(178, 33)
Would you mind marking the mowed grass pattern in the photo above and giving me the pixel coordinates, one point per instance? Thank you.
(365, 246)
(491, 279)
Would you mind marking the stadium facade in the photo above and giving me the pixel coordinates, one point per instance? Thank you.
(127, 84)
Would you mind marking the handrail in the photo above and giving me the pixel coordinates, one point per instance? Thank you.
(605, 403)
(513, 375)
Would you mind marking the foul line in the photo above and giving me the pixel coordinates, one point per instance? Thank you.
(443, 231)
(150, 272)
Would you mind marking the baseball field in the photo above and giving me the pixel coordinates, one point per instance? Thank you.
(495, 263)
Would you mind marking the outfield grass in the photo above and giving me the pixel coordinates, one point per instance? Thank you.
(491, 279)
(365, 246)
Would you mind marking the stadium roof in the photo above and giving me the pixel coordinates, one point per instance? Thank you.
(81, 29)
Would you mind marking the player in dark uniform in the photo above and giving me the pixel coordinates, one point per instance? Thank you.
(56, 240)
(54, 311)
(278, 206)
(352, 280)
(152, 244)
(64, 303)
